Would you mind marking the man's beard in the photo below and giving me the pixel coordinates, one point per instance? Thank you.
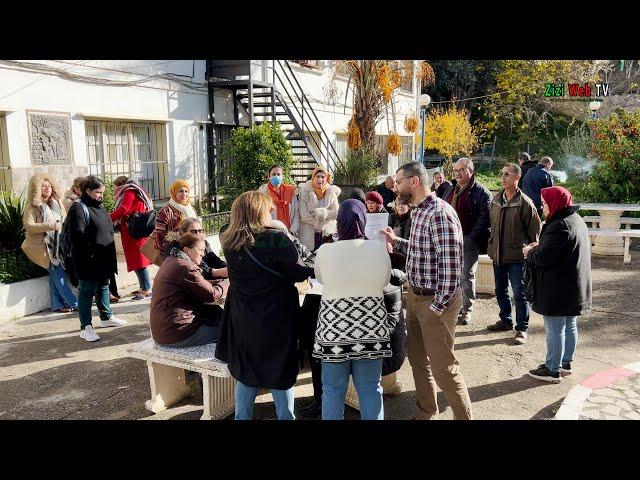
(406, 197)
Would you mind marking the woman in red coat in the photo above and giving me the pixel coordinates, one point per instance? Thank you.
(131, 198)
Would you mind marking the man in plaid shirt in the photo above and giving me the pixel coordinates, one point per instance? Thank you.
(434, 253)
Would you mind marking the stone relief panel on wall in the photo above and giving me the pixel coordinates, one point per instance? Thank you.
(50, 138)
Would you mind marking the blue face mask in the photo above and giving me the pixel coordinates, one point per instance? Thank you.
(275, 180)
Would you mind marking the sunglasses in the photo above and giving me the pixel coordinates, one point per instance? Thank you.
(506, 174)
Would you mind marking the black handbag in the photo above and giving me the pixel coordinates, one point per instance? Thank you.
(530, 282)
(141, 224)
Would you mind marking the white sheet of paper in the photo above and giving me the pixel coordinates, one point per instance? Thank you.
(316, 286)
(375, 223)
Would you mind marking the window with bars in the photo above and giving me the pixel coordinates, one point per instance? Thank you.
(135, 149)
(407, 76)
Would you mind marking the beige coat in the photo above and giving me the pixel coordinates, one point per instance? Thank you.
(33, 221)
(314, 219)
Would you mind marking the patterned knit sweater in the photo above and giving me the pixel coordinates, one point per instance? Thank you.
(352, 322)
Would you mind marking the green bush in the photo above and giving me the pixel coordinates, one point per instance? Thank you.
(357, 169)
(250, 152)
(616, 145)
(108, 198)
(11, 229)
(16, 267)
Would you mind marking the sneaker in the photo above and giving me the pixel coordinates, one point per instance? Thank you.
(141, 295)
(112, 322)
(500, 326)
(89, 334)
(566, 368)
(464, 318)
(520, 338)
(543, 373)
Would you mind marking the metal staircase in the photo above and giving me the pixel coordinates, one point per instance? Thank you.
(283, 101)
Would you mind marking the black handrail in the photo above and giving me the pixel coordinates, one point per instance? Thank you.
(330, 156)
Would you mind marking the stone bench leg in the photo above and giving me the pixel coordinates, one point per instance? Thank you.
(168, 386)
(351, 398)
(627, 256)
(218, 397)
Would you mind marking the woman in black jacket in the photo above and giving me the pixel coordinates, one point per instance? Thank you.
(94, 256)
(259, 333)
(559, 280)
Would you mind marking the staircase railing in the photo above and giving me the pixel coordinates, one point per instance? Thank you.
(299, 105)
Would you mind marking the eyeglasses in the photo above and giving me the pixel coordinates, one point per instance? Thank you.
(459, 170)
(506, 174)
(196, 231)
(398, 180)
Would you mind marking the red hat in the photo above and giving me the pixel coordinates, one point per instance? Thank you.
(374, 197)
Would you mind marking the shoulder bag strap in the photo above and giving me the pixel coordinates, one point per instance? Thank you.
(262, 265)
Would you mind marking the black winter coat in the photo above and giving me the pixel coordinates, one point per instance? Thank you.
(93, 248)
(480, 199)
(561, 267)
(525, 167)
(537, 178)
(261, 320)
(403, 223)
(393, 304)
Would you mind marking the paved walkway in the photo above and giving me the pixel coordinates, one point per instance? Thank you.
(612, 394)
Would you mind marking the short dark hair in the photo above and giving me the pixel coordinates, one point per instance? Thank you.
(121, 180)
(92, 183)
(416, 169)
(274, 166)
(524, 156)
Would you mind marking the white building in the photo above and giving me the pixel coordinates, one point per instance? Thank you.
(150, 119)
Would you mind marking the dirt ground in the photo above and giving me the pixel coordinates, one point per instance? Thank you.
(48, 372)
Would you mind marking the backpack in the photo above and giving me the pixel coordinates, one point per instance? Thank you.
(65, 245)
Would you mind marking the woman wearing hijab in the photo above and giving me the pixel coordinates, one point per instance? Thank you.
(353, 334)
(42, 220)
(318, 209)
(170, 216)
(283, 197)
(559, 283)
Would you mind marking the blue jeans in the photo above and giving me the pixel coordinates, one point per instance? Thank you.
(61, 294)
(246, 398)
(143, 279)
(562, 339)
(366, 378)
(87, 289)
(514, 273)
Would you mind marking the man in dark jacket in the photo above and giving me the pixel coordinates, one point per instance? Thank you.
(471, 201)
(525, 163)
(386, 190)
(536, 179)
(514, 224)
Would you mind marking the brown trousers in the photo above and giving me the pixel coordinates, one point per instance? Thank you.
(430, 344)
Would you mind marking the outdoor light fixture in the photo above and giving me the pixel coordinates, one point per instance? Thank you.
(594, 106)
(424, 100)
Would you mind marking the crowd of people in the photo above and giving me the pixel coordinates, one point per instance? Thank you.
(280, 235)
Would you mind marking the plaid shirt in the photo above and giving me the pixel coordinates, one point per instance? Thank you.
(434, 250)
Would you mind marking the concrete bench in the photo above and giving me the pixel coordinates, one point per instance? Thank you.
(167, 379)
(628, 221)
(625, 233)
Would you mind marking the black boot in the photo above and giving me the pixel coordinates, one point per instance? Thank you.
(313, 410)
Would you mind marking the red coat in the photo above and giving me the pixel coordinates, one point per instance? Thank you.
(131, 203)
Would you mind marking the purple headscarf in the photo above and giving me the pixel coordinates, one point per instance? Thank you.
(352, 217)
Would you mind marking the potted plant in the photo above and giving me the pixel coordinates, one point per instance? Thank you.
(356, 170)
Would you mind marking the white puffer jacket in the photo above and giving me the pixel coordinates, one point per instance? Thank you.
(314, 219)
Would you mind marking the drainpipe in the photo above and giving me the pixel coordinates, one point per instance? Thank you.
(211, 151)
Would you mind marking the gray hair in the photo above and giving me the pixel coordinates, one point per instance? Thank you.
(187, 222)
(416, 169)
(514, 168)
(467, 162)
(546, 161)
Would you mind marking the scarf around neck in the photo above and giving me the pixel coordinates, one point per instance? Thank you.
(187, 211)
(282, 198)
(137, 189)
